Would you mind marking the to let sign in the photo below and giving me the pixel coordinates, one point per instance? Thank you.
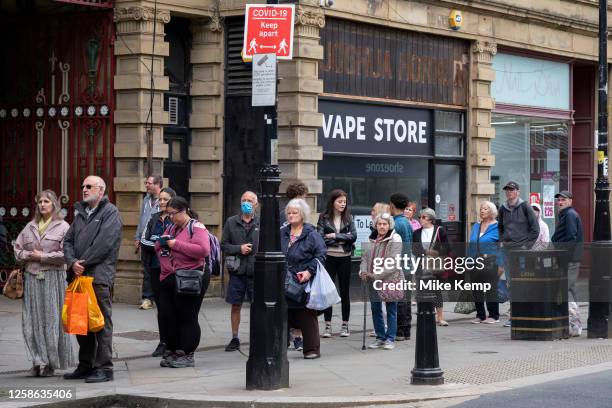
(269, 29)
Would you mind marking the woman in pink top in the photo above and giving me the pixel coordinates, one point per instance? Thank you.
(40, 247)
(410, 212)
(184, 245)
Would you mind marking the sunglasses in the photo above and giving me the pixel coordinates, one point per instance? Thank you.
(88, 186)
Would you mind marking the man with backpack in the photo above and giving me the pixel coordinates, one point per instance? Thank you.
(239, 245)
(517, 223)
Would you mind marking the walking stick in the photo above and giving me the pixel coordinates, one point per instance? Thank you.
(365, 311)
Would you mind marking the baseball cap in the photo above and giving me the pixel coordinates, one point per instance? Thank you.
(564, 194)
(511, 185)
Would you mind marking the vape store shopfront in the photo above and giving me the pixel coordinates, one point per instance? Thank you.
(393, 108)
(372, 150)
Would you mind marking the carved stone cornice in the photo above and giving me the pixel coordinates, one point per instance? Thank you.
(484, 51)
(310, 17)
(141, 13)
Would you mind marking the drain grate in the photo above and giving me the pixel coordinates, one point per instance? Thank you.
(139, 335)
(504, 370)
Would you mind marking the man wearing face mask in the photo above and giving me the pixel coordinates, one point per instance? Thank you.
(239, 246)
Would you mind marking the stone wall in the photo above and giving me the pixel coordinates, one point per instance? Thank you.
(133, 48)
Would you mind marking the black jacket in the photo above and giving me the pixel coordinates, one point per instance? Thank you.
(518, 226)
(235, 235)
(96, 240)
(569, 231)
(303, 254)
(345, 237)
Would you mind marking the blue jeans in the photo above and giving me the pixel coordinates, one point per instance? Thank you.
(379, 321)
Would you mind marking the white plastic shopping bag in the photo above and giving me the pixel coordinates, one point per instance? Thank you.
(323, 292)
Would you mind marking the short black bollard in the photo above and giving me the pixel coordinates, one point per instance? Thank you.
(426, 369)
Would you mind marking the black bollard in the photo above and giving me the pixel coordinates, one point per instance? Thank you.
(267, 367)
(426, 369)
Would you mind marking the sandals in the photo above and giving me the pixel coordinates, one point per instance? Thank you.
(442, 323)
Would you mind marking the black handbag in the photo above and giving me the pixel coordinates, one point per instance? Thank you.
(189, 282)
(295, 290)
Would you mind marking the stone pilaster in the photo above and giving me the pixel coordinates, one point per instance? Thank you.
(206, 121)
(480, 159)
(298, 103)
(133, 48)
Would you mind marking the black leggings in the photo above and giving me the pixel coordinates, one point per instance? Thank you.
(341, 266)
(155, 285)
(179, 316)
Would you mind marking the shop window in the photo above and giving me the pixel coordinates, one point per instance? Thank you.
(368, 180)
(449, 134)
(534, 153)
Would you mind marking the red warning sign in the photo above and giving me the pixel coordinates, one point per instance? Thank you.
(269, 29)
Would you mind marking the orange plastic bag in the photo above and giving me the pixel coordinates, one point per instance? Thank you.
(95, 319)
(74, 311)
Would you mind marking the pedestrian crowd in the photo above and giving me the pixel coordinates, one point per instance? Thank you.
(178, 255)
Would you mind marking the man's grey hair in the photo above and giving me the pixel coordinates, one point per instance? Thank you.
(492, 208)
(386, 217)
(302, 206)
(429, 213)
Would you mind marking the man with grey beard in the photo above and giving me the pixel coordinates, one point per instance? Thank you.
(91, 246)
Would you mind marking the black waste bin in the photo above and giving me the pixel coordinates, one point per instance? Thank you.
(538, 294)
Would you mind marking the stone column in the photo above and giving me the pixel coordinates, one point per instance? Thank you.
(480, 159)
(133, 48)
(206, 121)
(298, 107)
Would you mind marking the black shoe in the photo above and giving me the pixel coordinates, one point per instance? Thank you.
(100, 375)
(79, 374)
(159, 351)
(233, 345)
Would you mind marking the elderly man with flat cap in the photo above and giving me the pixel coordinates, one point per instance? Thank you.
(569, 235)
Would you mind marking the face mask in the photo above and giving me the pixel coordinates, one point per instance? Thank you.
(246, 208)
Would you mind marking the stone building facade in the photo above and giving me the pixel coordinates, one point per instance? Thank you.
(561, 31)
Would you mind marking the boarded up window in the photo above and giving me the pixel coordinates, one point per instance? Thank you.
(380, 62)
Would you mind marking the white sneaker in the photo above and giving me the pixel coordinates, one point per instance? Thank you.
(491, 320)
(345, 332)
(377, 344)
(327, 333)
(389, 345)
(146, 305)
(372, 333)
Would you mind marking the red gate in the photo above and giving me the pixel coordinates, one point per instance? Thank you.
(56, 111)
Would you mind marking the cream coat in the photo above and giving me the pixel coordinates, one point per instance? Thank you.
(51, 244)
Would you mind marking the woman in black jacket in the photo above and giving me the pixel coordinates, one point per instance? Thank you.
(155, 228)
(304, 249)
(338, 230)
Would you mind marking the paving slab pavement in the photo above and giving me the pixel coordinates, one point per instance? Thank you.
(475, 358)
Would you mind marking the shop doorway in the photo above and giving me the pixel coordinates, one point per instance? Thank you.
(177, 102)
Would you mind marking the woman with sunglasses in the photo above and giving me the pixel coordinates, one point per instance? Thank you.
(183, 246)
(155, 228)
(431, 241)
